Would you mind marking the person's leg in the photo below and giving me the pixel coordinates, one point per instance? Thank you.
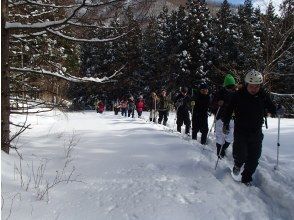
(165, 117)
(204, 130)
(187, 123)
(194, 128)
(151, 115)
(254, 153)
(180, 121)
(219, 135)
(160, 117)
(240, 149)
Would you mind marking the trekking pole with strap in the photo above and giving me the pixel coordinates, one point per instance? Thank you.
(219, 154)
(280, 112)
(192, 119)
(154, 115)
(278, 143)
(218, 157)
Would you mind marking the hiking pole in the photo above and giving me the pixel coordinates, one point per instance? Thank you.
(278, 143)
(192, 120)
(154, 115)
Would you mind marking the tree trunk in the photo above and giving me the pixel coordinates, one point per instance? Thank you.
(5, 104)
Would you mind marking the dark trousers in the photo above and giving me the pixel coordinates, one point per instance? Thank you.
(139, 113)
(163, 114)
(116, 110)
(183, 117)
(124, 112)
(131, 112)
(200, 123)
(247, 149)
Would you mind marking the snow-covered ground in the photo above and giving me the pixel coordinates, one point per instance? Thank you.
(85, 165)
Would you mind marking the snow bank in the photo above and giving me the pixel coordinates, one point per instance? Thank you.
(124, 168)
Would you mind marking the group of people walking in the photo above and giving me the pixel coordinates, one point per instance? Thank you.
(239, 113)
(128, 105)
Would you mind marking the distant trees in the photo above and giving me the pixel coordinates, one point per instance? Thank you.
(41, 39)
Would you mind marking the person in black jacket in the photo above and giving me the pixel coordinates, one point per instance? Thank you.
(200, 104)
(249, 105)
(182, 104)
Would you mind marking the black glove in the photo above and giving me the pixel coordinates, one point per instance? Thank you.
(280, 110)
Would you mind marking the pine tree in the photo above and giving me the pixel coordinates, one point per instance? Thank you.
(249, 44)
(225, 32)
(151, 56)
(200, 41)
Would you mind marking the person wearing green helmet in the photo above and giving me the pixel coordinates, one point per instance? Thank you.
(222, 99)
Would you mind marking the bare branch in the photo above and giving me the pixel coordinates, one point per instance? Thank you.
(31, 112)
(12, 201)
(48, 24)
(69, 77)
(43, 25)
(93, 40)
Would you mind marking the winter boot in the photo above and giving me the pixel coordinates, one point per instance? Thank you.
(247, 184)
(236, 170)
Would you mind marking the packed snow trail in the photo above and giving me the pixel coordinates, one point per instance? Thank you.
(130, 169)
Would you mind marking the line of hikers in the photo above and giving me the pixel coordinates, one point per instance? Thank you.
(127, 106)
(239, 113)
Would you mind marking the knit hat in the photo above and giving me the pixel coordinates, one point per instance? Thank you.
(203, 85)
(229, 80)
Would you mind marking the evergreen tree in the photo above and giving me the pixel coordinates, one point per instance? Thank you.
(225, 32)
(200, 41)
(181, 58)
(151, 55)
(249, 44)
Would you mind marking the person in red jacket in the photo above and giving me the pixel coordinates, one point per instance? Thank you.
(100, 107)
(140, 105)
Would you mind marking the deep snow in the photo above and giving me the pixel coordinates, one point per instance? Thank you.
(128, 168)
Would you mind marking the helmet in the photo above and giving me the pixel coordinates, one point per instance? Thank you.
(229, 80)
(254, 77)
(184, 89)
(203, 85)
